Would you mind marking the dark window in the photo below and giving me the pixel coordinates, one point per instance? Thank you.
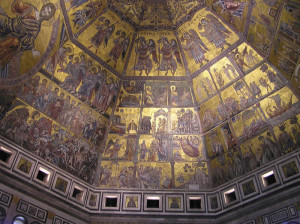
(77, 193)
(4, 156)
(152, 203)
(195, 203)
(269, 180)
(111, 202)
(230, 197)
(42, 176)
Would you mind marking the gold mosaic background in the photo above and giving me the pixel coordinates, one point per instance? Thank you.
(148, 94)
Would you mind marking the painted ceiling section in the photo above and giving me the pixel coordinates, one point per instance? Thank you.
(151, 94)
(166, 14)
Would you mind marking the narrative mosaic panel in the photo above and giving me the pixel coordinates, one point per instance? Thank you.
(150, 94)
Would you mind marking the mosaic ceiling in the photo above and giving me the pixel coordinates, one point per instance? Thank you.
(151, 94)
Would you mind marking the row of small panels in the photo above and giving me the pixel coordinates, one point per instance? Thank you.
(277, 175)
(28, 209)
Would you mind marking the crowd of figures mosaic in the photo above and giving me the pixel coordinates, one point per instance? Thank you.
(235, 129)
(153, 94)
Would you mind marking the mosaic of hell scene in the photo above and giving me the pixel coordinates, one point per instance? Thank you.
(46, 138)
(73, 99)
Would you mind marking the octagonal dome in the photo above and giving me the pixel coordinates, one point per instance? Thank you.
(151, 94)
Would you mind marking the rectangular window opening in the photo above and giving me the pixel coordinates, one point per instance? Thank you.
(268, 178)
(153, 202)
(77, 193)
(195, 202)
(5, 155)
(43, 175)
(111, 202)
(230, 196)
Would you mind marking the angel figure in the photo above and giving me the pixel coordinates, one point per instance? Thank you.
(104, 32)
(120, 47)
(167, 51)
(194, 46)
(214, 31)
(144, 53)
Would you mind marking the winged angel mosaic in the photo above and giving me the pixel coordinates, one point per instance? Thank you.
(104, 32)
(213, 30)
(167, 58)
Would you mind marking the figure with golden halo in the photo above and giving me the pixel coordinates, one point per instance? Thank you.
(145, 51)
(19, 33)
(120, 47)
(104, 32)
(168, 52)
(214, 31)
(194, 46)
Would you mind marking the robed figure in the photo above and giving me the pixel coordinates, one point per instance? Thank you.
(121, 44)
(146, 52)
(19, 33)
(104, 31)
(194, 46)
(214, 31)
(169, 55)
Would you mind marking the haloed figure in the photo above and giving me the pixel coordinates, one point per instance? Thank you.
(168, 53)
(214, 31)
(19, 33)
(194, 46)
